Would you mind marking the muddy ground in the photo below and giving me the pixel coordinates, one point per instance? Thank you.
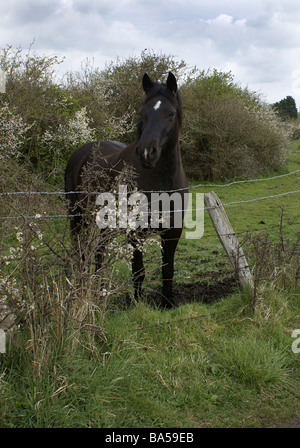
(197, 291)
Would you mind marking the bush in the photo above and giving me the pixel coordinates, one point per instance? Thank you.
(114, 95)
(33, 94)
(12, 133)
(58, 143)
(229, 131)
(45, 285)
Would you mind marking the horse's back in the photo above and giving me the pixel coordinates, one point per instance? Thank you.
(77, 159)
(100, 149)
(119, 145)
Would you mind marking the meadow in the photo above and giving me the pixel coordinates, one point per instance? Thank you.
(221, 358)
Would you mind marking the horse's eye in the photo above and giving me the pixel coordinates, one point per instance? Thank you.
(172, 114)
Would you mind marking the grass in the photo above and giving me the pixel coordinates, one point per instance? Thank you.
(263, 214)
(197, 365)
(194, 257)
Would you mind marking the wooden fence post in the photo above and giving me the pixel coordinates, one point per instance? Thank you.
(228, 238)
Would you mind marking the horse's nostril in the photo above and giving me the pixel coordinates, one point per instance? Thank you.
(152, 153)
(146, 154)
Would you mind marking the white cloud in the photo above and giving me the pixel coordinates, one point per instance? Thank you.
(221, 20)
(258, 40)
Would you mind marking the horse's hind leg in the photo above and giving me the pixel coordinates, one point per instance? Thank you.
(169, 244)
(138, 271)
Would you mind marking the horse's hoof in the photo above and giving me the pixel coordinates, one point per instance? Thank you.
(166, 304)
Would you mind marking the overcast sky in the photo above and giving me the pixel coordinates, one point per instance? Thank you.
(258, 40)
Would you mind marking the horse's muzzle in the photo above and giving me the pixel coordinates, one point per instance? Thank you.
(147, 156)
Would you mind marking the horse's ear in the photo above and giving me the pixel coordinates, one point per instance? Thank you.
(172, 83)
(147, 83)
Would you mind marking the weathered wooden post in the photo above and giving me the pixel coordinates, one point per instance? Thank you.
(228, 238)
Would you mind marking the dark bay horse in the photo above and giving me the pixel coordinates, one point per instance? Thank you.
(156, 160)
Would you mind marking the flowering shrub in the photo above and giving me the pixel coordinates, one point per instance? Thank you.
(12, 132)
(12, 262)
(58, 143)
(228, 131)
(46, 285)
(71, 134)
(115, 128)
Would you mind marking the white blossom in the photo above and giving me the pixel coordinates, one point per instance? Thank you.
(12, 132)
(75, 132)
(19, 236)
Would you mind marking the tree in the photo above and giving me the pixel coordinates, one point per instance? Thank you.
(286, 108)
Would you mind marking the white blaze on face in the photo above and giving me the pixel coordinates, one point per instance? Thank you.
(157, 105)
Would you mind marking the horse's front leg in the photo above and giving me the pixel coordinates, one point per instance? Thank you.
(169, 241)
(138, 271)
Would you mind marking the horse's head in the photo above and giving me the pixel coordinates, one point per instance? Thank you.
(160, 118)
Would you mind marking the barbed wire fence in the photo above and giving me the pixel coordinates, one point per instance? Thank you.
(53, 286)
(32, 193)
(191, 187)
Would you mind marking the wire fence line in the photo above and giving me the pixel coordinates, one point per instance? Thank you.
(244, 181)
(63, 193)
(190, 187)
(245, 201)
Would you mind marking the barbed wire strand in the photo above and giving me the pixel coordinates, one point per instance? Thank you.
(15, 193)
(245, 201)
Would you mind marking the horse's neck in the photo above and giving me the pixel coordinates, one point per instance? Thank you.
(170, 166)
